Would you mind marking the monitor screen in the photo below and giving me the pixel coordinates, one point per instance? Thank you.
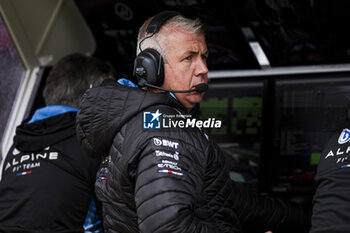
(307, 111)
(238, 104)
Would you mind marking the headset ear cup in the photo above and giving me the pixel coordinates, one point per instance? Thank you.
(149, 67)
(139, 71)
(160, 68)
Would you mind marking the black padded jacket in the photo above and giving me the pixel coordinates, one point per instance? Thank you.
(48, 180)
(331, 201)
(165, 180)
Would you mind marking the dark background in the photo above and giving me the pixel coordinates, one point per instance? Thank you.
(298, 32)
(277, 156)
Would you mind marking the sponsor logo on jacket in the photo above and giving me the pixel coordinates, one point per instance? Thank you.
(338, 152)
(344, 136)
(26, 161)
(341, 153)
(164, 142)
(166, 154)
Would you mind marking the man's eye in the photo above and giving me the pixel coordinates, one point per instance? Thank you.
(187, 58)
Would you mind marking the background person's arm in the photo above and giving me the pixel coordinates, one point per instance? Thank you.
(263, 213)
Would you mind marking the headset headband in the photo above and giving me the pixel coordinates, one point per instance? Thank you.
(148, 65)
(159, 19)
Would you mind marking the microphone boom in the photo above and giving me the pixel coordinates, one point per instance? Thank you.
(199, 88)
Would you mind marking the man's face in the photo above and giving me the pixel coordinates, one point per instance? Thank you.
(185, 65)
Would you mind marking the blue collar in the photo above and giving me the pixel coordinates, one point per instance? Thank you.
(50, 111)
(126, 82)
(172, 94)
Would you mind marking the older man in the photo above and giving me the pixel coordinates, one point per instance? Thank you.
(156, 178)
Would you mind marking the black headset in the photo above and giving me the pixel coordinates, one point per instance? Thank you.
(148, 65)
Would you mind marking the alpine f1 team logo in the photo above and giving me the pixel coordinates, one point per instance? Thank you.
(344, 136)
(152, 120)
(157, 120)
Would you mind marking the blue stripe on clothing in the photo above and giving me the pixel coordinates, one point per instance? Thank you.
(126, 82)
(50, 111)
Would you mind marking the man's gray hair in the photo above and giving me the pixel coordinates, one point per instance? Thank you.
(156, 41)
(72, 76)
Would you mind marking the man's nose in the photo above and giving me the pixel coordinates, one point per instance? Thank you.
(201, 67)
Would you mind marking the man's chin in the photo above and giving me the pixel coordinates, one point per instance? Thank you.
(190, 100)
(195, 99)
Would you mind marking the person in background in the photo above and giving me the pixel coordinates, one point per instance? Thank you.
(47, 180)
(158, 179)
(331, 209)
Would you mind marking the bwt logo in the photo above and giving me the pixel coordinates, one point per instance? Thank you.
(151, 120)
(164, 142)
(344, 136)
